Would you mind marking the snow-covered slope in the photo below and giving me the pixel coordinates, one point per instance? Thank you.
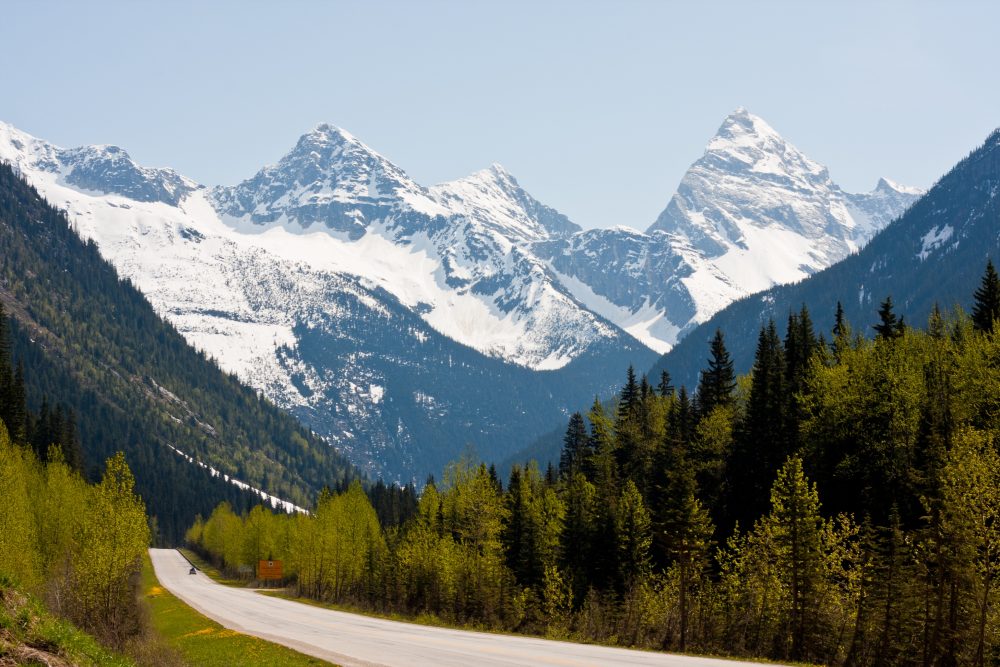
(751, 213)
(453, 253)
(494, 199)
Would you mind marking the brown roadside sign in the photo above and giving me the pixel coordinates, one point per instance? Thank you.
(269, 569)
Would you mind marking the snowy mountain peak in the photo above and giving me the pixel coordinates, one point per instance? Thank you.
(329, 177)
(493, 198)
(325, 141)
(745, 141)
(743, 123)
(887, 185)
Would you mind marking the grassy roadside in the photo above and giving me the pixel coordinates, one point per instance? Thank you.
(30, 635)
(202, 641)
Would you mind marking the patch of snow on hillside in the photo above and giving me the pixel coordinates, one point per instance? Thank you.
(648, 324)
(934, 239)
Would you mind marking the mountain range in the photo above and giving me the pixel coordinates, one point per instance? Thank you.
(405, 323)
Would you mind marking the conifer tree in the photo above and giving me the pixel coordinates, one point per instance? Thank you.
(841, 334)
(889, 326)
(602, 467)
(761, 442)
(515, 535)
(5, 345)
(634, 539)
(682, 419)
(16, 415)
(986, 307)
(684, 528)
(42, 434)
(797, 528)
(840, 326)
(579, 532)
(551, 476)
(576, 447)
(629, 399)
(603, 470)
(800, 346)
(718, 381)
(665, 387)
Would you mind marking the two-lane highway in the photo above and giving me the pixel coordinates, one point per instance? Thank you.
(353, 639)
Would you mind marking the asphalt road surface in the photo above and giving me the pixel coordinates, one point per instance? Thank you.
(352, 639)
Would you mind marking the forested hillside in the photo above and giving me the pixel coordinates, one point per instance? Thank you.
(839, 505)
(90, 344)
(932, 254)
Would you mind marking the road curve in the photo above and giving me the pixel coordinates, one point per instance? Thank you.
(353, 639)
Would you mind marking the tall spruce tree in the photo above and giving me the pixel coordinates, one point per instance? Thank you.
(798, 532)
(683, 526)
(986, 307)
(603, 470)
(633, 536)
(629, 400)
(841, 334)
(16, 412)
(576, 447)
(718, 381)
(665, 387)
(761, 441)
(800, 346)
(889, 326)
(578, 536)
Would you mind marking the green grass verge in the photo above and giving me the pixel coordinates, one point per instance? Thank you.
(202, 641)
(30, 635)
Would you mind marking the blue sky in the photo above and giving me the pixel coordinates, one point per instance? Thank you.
(596, 107)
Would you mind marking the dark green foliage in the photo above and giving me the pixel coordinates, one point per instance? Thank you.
(576, 447)
(986, 306)
(889, 326)
(664, 387)
(394, 505)
(718, 380)
(628, 400)
(13, 410)
(761, 444)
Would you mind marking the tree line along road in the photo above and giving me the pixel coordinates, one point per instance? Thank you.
(353, 639)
